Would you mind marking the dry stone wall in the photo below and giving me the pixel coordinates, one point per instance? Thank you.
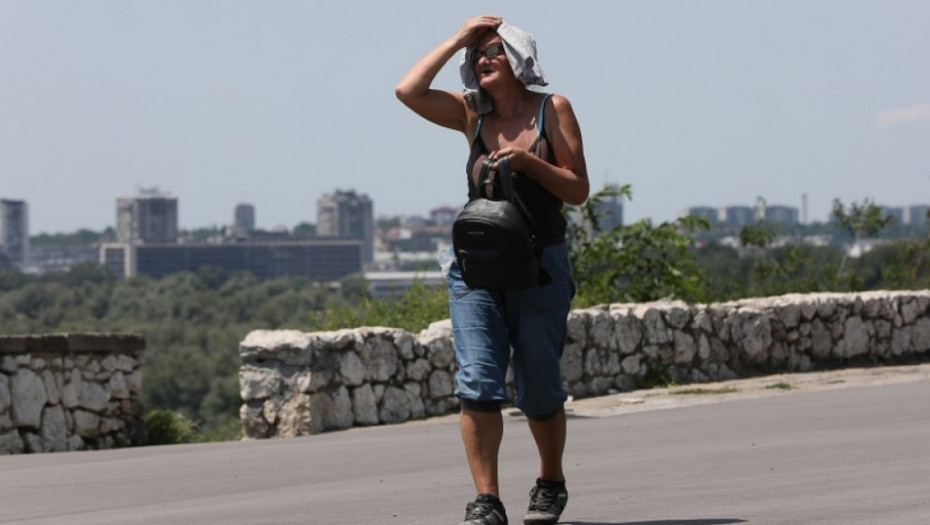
(65, 392)
(294, 383)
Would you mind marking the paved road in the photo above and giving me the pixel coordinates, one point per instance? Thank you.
(856, 455)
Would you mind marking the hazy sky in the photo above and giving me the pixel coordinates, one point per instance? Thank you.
(278, 102)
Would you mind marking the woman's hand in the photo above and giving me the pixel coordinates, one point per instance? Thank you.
(518, 157)
(475, 26)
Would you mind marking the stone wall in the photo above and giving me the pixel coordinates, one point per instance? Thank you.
(70, 392)
(294, 383)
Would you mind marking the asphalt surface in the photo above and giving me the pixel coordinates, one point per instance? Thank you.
(844, 447)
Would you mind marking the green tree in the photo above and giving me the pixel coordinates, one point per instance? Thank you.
(632, 263)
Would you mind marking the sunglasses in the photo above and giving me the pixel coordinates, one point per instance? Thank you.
(492, 51)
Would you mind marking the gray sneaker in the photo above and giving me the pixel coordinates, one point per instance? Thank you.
(485, 510)
(547, 501)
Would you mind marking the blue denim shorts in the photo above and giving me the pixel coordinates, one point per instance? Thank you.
(487, 323)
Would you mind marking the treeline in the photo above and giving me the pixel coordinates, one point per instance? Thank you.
(193, 322)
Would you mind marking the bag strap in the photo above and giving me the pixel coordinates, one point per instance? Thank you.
(542, 115)
(496, 172)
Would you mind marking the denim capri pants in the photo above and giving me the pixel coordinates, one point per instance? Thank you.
(487, 323)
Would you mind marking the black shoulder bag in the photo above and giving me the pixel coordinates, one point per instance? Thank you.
(492, 242)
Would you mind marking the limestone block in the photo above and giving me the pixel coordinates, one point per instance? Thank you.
(298, 416)
(821, 340)
(855, 338)
(826, 307)
(8, 364)
(404, 342)
(901, 340)
(11, 443)
(52, 382)
(254, 425)
(685, 349)
(702, 321)
(75, 442)
(571, 362)
(418, 370)
(598, 386)
(752, 331)
(677, 315)
(259, 383)
(910, 309)
(440, 383)
(340, 415)
(920, 335)
(632, 365)
(703, 348)
(654, 327)
(346, 339)
(32, 441)
(415, 394)
(108, 363)
(624, 383)
(364, 406)
(271, 408)
(395, 406)
(125, 363)
(86, 424)
(5, 398)
(117, 386)
(603, 330)
(308, 382)
(291, 347)
(37, 364)
(71, 392)
(54, 431)
(352, 369)
(29, 398)
(629, 334)
(790, 315)
(882, 329)
(576, 326)
(601, 362)
(441, 352)
(380, 359)
(5, 422)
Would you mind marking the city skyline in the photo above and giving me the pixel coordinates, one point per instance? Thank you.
(715, 102)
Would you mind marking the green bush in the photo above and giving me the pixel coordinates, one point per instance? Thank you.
(167, 427)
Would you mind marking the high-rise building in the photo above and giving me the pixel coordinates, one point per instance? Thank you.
(244, 220)
(896, 213)
(347, 215)
(739, 216)
(147, 217)
(610, 211)
(917, 215)
(705, 212)
(781, 214)
(14, 231)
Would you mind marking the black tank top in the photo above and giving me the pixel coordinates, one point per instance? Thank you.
(542, 210)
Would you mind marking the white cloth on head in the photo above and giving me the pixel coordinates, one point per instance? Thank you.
(520, 48)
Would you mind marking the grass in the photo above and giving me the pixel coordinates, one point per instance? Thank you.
(704, 391)
(780, 386)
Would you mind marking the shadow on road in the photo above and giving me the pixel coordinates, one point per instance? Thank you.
(710, 521)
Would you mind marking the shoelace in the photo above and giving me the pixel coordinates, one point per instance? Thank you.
(478, 509)
(542, 497)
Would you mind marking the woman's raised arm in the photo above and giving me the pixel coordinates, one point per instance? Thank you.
(441, 107)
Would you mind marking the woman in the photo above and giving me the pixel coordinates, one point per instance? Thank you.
(501, 117)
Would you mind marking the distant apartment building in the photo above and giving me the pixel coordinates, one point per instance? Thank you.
(782, 214)
(896, 213)
(610, 211)
(739, 216)
(14, 231)
(147, 217)
(917, 215)
(347, 215)
(712, 215)
(444, 216)
(244, 218)
(316, 260)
